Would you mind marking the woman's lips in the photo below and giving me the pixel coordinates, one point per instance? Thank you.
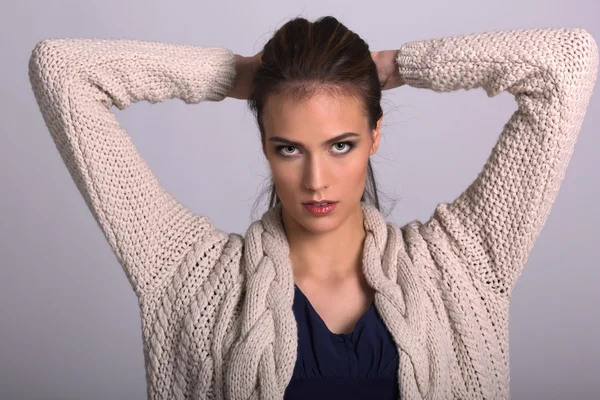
(320, 210)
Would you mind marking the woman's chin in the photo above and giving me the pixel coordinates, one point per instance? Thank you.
(314, 222)
(318, 224)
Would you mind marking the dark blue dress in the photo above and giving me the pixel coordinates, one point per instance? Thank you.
(362, 364)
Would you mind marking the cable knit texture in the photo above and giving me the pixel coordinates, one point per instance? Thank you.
(216, 308)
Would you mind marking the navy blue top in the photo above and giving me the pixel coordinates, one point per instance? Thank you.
(362, 364)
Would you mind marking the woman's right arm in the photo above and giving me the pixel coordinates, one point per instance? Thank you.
(75, 82)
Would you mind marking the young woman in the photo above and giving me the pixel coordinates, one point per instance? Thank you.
(321, 297)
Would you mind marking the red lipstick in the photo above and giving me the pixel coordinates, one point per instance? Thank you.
(320, 208)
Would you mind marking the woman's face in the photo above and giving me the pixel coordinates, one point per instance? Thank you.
(318, 149)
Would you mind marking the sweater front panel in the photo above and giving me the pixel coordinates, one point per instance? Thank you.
(447, 349)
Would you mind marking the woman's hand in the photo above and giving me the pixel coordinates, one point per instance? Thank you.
(387, 68)
(244, 67)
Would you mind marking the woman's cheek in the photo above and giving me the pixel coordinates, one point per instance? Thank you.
(354, 170)
(285, 176)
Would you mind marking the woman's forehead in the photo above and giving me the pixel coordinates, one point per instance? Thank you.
(318, 113)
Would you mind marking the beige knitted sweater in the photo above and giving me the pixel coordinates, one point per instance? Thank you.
(216, 308)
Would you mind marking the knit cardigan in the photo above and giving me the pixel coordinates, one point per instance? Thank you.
(216, 307)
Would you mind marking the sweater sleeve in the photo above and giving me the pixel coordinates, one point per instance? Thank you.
(75, 82)
(495, 222)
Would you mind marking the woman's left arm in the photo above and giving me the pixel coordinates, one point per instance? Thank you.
(495, 222)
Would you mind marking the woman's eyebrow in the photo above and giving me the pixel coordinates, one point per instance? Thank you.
(330, 141)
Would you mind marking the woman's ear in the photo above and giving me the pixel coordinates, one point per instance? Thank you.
(376, 137)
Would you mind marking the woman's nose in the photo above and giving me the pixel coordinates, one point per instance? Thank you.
(315, 175)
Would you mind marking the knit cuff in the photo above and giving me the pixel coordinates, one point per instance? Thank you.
(224, 73)
(411, 63)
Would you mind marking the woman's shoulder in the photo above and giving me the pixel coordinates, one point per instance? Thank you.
(213, 263)
(227, 256)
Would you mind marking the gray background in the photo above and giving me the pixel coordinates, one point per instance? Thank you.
(69, 321)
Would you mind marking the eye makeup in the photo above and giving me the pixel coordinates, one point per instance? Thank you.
(349, 144)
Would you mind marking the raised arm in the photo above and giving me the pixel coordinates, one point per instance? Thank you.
(495, 222)
(75, 82)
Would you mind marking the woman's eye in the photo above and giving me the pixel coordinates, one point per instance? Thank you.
(342, 147)
(285, 150)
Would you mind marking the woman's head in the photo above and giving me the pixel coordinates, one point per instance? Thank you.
(316, 98)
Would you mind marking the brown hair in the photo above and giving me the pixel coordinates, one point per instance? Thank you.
(304, 57)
